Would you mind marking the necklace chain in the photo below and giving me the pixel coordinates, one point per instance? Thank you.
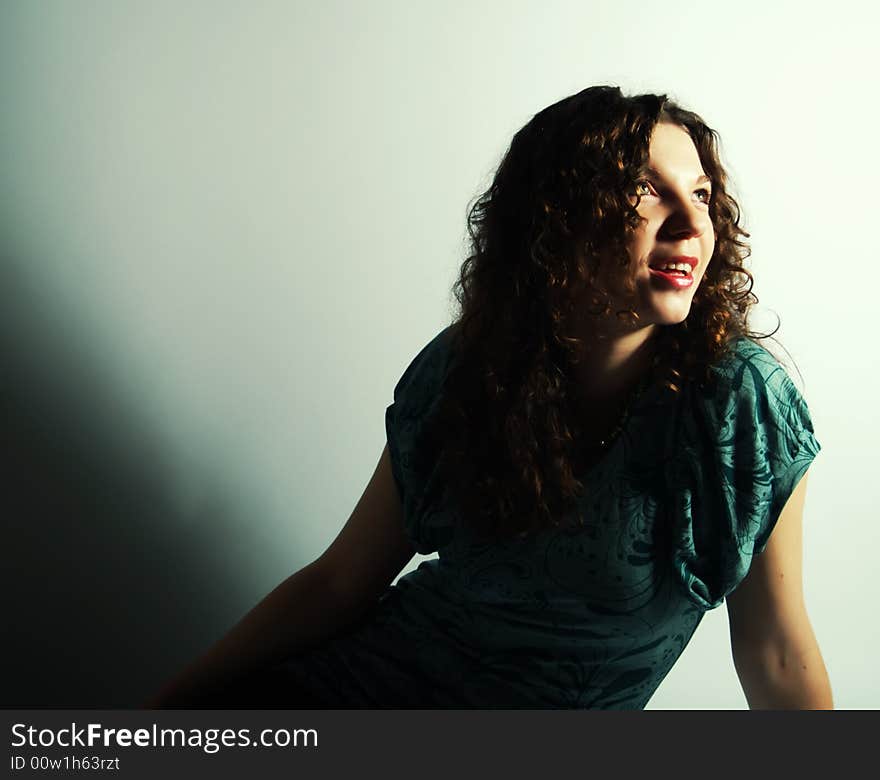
(605, 442)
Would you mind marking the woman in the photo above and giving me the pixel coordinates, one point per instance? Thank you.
(597, 447)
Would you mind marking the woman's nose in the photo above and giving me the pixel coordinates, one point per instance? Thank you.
(687, 221)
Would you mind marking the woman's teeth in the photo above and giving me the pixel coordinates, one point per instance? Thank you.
(675, 267)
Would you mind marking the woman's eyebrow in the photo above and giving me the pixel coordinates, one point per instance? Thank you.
(657, 175)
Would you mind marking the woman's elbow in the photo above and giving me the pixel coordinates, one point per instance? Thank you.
(788, 677)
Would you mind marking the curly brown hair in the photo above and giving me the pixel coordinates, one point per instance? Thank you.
(559, 209)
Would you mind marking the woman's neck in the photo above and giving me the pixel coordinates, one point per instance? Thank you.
(611, 366)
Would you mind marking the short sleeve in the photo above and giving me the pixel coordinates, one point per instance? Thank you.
(741, 445)
(413, 446)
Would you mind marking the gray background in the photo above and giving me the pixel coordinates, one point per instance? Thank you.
(226, 228)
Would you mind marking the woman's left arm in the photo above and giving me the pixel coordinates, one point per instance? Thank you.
(775, 651)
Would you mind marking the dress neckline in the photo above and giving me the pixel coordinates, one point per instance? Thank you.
(592, 458)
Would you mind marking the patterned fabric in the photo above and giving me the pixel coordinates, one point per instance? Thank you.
(588, 618)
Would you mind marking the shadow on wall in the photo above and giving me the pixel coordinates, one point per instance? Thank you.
(110, 586)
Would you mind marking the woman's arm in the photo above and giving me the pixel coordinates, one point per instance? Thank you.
(775, 651)
(320, 601)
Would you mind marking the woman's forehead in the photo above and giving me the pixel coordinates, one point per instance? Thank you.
(673, 154)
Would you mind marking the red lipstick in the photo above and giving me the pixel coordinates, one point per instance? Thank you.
(676, 280)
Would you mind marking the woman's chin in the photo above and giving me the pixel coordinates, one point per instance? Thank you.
(671, 315)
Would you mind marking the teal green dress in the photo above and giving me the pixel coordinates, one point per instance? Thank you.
(592, 618)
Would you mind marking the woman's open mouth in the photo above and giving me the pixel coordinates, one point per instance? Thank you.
(672, 279)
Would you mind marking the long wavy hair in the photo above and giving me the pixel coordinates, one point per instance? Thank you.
(559, 211)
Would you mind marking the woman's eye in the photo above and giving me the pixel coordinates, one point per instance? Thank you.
(642, 188)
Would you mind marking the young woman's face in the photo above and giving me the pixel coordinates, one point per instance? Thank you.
(675, 194)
